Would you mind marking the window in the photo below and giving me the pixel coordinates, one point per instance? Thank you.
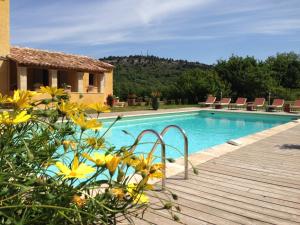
(92, 79)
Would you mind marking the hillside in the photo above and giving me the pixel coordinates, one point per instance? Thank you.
(141, 75)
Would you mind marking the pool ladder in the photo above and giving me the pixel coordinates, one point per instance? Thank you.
(160, 141)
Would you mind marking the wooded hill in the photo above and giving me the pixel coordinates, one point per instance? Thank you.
(141, 75)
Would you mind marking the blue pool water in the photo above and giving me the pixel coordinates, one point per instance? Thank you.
(204, 129)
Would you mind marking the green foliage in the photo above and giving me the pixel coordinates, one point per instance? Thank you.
(110, 100)
(285, 69)
(57, 168)
(142, 75)
(190, 82)
(196, 84)
(155, 100)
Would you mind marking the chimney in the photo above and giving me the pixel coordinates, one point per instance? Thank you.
(4, 28)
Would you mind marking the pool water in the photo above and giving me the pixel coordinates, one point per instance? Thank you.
(204, 129)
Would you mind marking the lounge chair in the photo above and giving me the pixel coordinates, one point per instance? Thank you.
(209, 101)
(239, 103)
(222, 103)
(257, 104)
(277, 105)
(295, 107)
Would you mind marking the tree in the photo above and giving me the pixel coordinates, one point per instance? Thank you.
(196, 84)
(285, 68)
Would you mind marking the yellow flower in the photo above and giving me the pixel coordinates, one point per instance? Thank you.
(140, 163)
(81, 107)
(156, 171)
(67, 108)
(118, 192)
(53, 91)
(3, 99)
(78, 200)
(7, 119)
(99, 108)
(138, 198)
(78, 170)
(21, 99)
(84, 123)
(146, 168)
(68, 143)
(96, 143)
(112, 163)
(98, 159)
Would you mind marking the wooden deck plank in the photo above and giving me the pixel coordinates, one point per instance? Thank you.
(236, 206)
(256, 184)
(244, 197)
(250, 175)
(248, 183)
(188, 208)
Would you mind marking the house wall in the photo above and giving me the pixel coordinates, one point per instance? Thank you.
(88, 98)
(4, 28)
(4, 46)
(108, 83)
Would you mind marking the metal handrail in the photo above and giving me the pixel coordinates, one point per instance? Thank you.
(186, 147)
(163, 151)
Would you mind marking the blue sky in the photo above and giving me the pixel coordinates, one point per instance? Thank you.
(196, 30)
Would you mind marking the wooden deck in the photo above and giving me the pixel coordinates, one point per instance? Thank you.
(256, 184)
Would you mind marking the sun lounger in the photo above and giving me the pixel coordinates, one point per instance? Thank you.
(209, 101)
(222, 103)
(239, 104)
(277, 105)
(257, 104)
(295, 107)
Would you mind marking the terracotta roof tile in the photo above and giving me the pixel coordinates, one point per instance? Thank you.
(56, 60)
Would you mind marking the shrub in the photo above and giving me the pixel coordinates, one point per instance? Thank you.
(56, 167)
(155, 100)
(110, 100)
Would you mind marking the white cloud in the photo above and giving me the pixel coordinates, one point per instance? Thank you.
(108, 21)
(115, 21)
(277, 26)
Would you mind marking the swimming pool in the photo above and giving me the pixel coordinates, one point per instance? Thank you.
(203, 128)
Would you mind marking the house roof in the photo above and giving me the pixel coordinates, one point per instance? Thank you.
(56, 60)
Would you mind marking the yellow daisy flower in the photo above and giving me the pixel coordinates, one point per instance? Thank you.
(84, 123)
(7, 119)
(79, 200)
(21, 99)
(138, 198)
(98, 159)
(67, 108)
(99, 108)
(78, 170)
(118, 192)
(68, 143)
(112, 163)
(96, 143)
(3, 99)
(53, 91)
